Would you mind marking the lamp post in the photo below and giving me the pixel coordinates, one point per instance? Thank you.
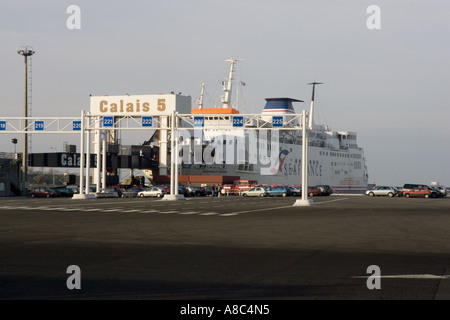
(26, 52)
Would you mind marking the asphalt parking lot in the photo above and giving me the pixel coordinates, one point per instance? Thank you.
(225, 248)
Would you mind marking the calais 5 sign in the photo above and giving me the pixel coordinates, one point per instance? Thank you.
(139, 105)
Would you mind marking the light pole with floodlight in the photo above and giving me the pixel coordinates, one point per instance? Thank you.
(26, 52)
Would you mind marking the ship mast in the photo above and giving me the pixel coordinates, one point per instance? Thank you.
(227, 86)
(311, 109)
(200, 99)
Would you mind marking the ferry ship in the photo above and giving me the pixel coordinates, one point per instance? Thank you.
(334, 157)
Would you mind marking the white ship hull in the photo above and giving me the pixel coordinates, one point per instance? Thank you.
(342, 169)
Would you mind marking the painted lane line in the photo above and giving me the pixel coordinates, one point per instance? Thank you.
(149, 211)
(167, 212)
(330, 201)
(208, 214)
(228, 214)
(52, 208)
(262, 209)
(189, 212)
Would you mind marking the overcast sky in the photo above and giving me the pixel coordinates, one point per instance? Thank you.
(390, 85)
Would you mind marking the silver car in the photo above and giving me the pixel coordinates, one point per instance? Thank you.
(254, 192)
(382, 191)
(152, 192)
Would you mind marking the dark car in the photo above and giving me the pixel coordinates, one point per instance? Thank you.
(198, 191)
(326, 190)
(294, 191)
(63, 191)
(131, 192)
(41, 192)
(118, 190)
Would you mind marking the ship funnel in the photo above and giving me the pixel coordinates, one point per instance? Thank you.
(279, 106)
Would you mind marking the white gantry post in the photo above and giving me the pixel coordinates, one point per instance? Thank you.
(84, 173)
(82, 156)
(174, 161)
(304, 201)
(103, 161)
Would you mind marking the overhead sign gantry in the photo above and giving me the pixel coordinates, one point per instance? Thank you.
(165, 113)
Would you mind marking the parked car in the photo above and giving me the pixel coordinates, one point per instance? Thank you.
(294, 191)
(421, 192)
(255, 192)
(42, 192)
(152, 192)
(399, 191)
(382, 191)
(443, 190)
(326, 190)
(410, 186)
(131, 192)
(439, 193)
(107, 193)
(63, 191)
(314, 191)
(183, 190)
(276, 191)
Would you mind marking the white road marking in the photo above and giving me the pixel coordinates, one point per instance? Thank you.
(330, 201)
(262, 209)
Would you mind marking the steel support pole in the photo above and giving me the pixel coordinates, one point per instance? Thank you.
(88, 157)
(103, 162)
(25, 135)
(98, 151)
(304, 159)
(304, 201)
(82, 163)
(175, 151)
